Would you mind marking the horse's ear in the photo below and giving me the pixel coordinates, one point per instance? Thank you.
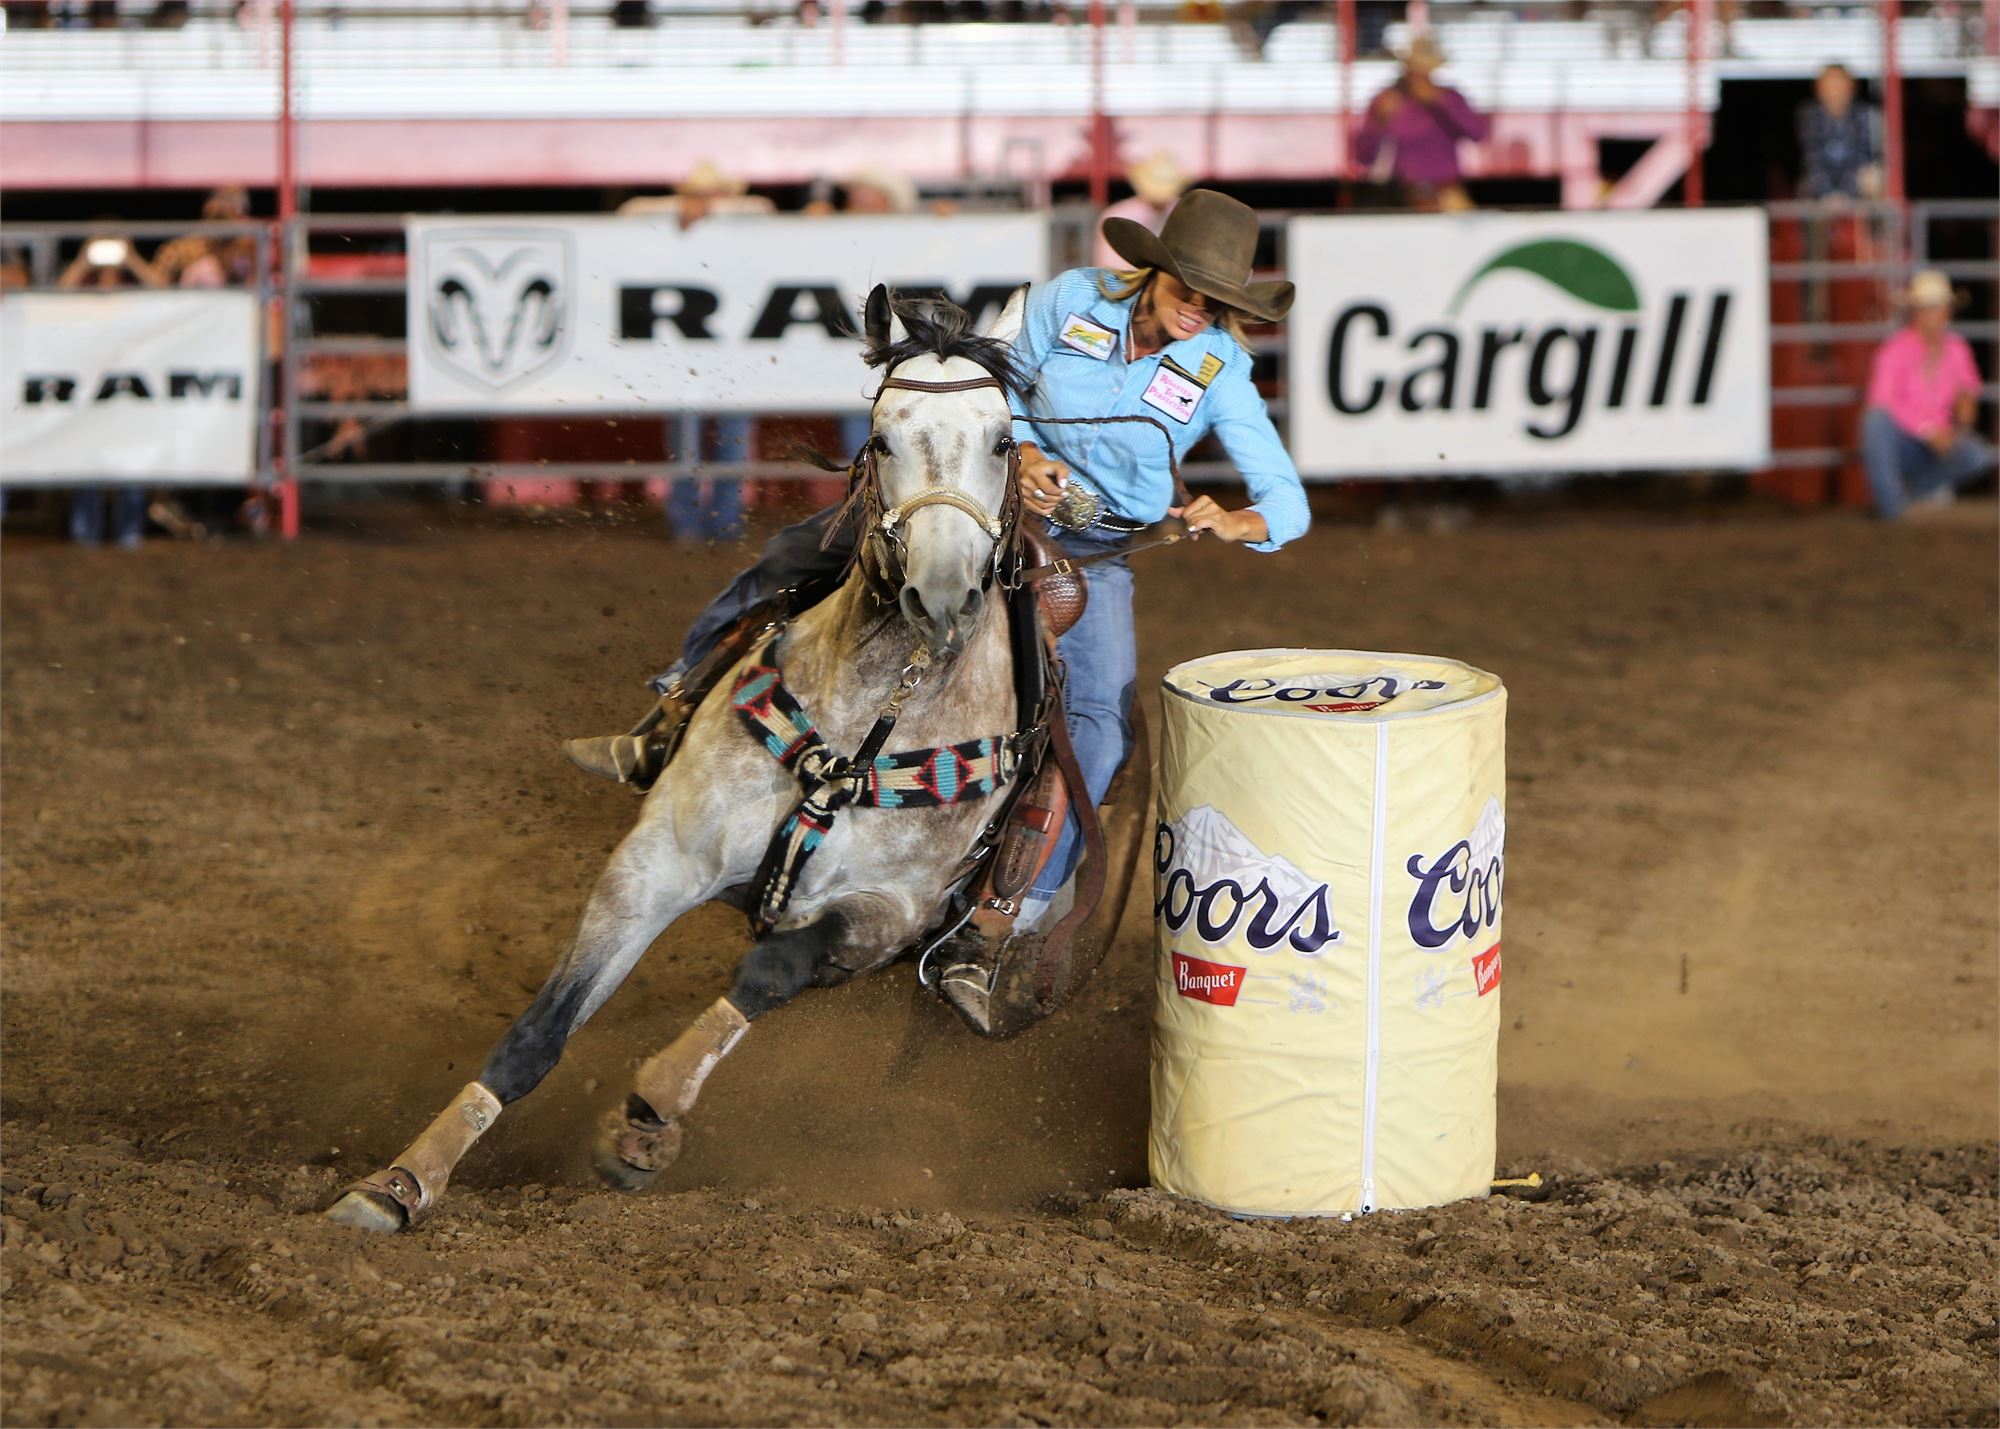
(1007, 326)
(875, 316)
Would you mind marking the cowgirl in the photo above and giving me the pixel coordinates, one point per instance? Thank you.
(1160, 339)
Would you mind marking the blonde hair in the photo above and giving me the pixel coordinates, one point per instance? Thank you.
(1118, 284)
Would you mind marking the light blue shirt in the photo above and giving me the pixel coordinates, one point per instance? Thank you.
(1073, 339)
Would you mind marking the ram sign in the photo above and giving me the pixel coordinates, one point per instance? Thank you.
(745, 313)
(1494, 342)
(131, 385)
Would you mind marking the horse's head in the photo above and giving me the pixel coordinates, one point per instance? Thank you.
(943, 458)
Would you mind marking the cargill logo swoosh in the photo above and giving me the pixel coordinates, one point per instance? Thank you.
(1582, 270)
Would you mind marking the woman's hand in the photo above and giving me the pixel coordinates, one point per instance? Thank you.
(1042, 479)
(1202, 514)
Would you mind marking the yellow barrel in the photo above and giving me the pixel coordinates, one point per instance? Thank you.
(1328, 866)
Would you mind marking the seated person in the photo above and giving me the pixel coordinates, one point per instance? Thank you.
(1923, 398)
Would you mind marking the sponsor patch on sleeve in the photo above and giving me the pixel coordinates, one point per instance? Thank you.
(1089, 338)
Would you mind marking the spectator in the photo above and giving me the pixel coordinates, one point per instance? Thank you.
(706, 508)
(1411, 134)
(872, 190)
(1840, 141)
(235, 254)
(108, 263)
(1923, 397)
(1253, 22)
(1157, 183)
(14, 270)
(879, 190)
(1840, 157)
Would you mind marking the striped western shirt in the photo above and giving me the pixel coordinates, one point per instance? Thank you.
(1073, 339)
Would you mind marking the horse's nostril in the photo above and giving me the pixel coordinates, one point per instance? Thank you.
(913, 606)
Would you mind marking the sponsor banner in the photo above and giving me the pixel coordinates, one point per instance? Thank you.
(1329, 855)
(142, 386)
(743, 313)
(1516, 342)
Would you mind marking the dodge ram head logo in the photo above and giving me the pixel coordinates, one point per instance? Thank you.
(498, 304)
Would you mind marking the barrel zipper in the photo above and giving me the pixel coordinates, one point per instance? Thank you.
(1371, 1082)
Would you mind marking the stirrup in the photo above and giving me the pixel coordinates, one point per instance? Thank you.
(639, 757)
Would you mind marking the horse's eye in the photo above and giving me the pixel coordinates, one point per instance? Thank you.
(1003, 446)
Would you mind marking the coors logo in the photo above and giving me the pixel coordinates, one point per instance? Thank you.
(1459, 892)
(1213, 880)
(1322, 694)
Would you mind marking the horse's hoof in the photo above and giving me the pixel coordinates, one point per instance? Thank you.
(364, 1211)
(620, 1174)
(630, 1155)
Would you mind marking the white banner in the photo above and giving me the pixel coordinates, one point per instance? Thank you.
(1448, 345)
(742, 313)
(134, 385)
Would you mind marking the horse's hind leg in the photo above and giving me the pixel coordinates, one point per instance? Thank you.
(643, 1137)
(644, 888)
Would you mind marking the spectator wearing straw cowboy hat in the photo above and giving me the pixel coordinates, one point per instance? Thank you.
(1412, 130)
(1157, 184)
(1159, 337)
(705, 508)
(1917, 436)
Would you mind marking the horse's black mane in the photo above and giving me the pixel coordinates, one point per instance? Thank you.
(938, 327)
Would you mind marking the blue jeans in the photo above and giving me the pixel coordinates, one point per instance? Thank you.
(1100, 657)
(1100, 671)
(707, 508)
(854, 430)
(128, 515)
(1901, 466)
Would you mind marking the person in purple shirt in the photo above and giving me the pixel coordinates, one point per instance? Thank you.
(1411, 132)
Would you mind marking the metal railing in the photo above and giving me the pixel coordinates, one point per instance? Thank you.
(324, 326)
(1892, 242)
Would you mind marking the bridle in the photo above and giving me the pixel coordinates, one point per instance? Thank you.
(883, 526)
(884, 535)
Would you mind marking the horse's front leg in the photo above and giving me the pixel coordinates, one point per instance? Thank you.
(641, 1139)
(649, 882)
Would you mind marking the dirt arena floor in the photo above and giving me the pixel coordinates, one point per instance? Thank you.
(288, 842)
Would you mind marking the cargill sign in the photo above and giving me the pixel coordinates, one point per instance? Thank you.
(1458, 345)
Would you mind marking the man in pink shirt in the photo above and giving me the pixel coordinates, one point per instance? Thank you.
(1916, 436)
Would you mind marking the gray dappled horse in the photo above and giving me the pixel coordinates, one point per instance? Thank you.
(916, 624)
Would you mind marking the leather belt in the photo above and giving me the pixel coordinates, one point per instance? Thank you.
(1083, 508)
(1121, 525)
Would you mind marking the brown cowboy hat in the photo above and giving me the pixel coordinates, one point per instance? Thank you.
(1208, 243)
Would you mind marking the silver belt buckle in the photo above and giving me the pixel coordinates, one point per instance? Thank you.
(1078, 508)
